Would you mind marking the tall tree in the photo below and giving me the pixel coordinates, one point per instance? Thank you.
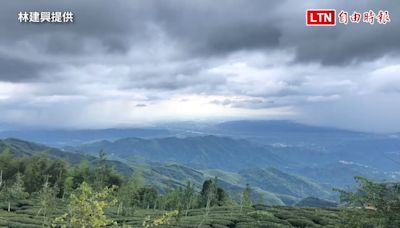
(35, 170)
(104, 175)
(47, 201)
(86, 207)
(14, 192)
(101, 171)
(40, 166)
(246, 196)
(188, 197)
(8, 164)
(208, 193)
(378, 203)
(128, 194)
(147, 197)
(212, 194)
(80, 173)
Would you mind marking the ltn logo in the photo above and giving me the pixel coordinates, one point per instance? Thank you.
(321, 17)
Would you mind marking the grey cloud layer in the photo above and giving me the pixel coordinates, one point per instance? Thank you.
(200, 29)
(16, 70)
(153, 50)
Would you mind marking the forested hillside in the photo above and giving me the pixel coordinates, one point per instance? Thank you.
(272, 186)
(38, 190)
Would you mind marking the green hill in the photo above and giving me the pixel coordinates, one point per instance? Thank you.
(25, 148)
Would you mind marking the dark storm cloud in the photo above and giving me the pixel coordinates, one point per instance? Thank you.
(240, 37)
(111, 25)
(202, 26)
(163, 81)
(343, 44)
(348, 45)
(17, 70)
(202, 29)
(207, 28)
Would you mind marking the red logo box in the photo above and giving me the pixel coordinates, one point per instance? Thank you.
(321, 17)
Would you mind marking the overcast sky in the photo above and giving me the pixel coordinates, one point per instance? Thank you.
(136, 62)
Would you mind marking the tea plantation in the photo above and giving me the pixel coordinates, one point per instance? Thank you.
(25, 214)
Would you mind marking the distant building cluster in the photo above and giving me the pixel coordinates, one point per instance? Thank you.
(45, 17)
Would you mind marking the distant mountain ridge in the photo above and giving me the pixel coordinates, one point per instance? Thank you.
(335, 164)
(202, 151)
(284, 131)
(262, 126)
(274, 129)
(62, 138)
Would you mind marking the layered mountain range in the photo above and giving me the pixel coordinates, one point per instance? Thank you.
(283, 161)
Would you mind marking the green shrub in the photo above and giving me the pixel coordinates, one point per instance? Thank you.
(302, 223)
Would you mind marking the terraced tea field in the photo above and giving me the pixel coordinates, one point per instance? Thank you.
(24, 214)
